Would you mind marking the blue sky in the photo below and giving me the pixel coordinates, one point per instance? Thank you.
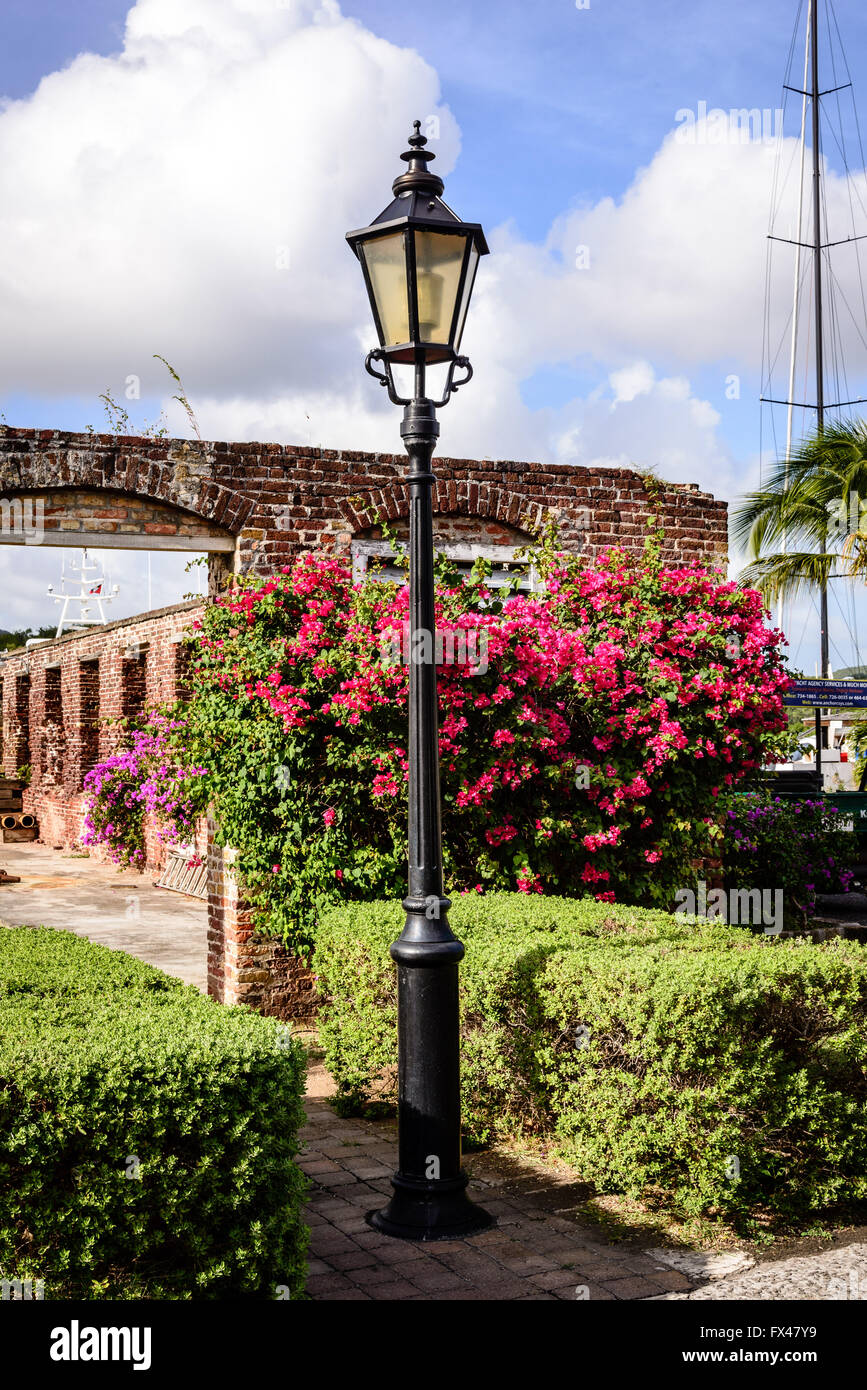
(565, 120)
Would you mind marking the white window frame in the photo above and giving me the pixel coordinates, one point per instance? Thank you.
(364, 551)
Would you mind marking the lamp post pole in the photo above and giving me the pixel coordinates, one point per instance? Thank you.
(429, 1200)
(419, 261)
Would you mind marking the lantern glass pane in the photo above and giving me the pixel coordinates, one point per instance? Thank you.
(465, 297)
(438, 260)
(385, 259)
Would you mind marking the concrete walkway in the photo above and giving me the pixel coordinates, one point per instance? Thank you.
(121, 909)
(833, 1276)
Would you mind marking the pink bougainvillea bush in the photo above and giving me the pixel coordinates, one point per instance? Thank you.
(587, 740)
(152, 775)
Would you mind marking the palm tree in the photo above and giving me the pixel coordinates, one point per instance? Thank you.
(810, 515)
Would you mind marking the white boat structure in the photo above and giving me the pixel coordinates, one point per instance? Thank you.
(84, 601)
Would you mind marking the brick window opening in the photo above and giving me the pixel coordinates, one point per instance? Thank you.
(53, 734)
(182, 668)
(88, 688)
(134, 682)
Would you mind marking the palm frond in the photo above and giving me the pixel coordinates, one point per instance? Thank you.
(775, 575)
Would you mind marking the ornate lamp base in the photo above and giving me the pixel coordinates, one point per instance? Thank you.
(435, 1210)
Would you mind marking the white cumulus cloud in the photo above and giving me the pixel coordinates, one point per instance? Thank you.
(189, 196)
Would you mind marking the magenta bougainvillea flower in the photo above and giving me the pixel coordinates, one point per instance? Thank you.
(152, 776)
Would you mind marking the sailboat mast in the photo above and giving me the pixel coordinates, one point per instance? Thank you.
(796, 306)
(817, 216)
(817, 284)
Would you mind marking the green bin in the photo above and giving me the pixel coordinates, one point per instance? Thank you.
(853, 804)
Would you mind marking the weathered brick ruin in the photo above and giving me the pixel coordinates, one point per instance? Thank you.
(253, 507)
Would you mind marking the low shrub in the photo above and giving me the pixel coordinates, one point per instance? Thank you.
(147, 1134)
(664, 1056)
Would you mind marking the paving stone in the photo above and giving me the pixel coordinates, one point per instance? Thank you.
(352, 1259)
(332, 1282)
(670, 1279)
(394, 1290)
(527, 1264)
(473, 1263)
(597, 1294)
(373, 1274)
(333, 1243)
(367, 1170)
(373, 1240)
(351, 1294)
(554, 1279)
(430, 1280)
(325, 1205)
(634, 1287)
(469, 1295)
(530, 1255)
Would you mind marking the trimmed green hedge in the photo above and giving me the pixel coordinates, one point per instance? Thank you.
(667, 1057)
(109, 1067)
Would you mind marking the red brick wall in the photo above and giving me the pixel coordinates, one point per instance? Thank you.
(114, 513)
(109, 673)
(275, 499)
(243, 966)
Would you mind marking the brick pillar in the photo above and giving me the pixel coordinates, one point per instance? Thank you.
(111, 698)
(228, 923)
(245, 967)
(81, 710)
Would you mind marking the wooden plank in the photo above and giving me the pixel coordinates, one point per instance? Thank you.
(125, 540)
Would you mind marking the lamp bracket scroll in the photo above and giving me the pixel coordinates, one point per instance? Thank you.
(386, 378)
(451, 384)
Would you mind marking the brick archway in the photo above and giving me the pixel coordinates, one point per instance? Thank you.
(462, 498)
(175, 473)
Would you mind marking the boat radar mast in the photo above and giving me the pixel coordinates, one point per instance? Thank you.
(89, 592)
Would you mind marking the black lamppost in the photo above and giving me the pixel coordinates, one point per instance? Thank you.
(419, 262)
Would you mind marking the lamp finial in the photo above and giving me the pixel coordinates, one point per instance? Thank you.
(418, 176)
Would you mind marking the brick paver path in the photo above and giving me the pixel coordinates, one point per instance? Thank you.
(530, 1253)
